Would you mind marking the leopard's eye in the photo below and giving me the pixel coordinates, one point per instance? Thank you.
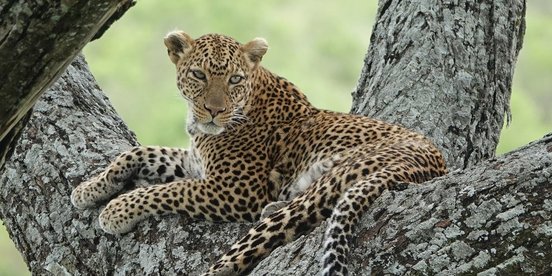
(199, 75)
(235, 79)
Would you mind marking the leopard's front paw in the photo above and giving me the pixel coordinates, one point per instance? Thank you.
(273, 207)
(88, 193)
(121, 214)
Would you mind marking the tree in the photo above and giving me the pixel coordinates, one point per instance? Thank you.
(422, 70)
(40, 39)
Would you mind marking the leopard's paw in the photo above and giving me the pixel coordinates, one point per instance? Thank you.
(272, 207)
(88, 193)
(121, 214)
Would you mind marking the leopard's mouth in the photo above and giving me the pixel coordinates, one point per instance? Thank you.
(210, 128)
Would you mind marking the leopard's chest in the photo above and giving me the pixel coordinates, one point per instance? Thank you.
(234, 153)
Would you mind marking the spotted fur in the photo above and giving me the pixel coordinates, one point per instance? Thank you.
(257, 140)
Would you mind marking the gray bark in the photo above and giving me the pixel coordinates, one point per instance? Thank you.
(38, 39)
(492, 218)
(444, 68)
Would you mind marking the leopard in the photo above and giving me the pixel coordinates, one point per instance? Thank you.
(260, 153)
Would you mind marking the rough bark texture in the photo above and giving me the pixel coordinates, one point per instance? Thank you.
(38, 39)
(492, 218)
(444, 68)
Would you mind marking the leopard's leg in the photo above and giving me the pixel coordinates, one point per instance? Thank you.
(152, 164)
(299, 217)
(302, 183)
(204, 199)
(317, 203)
(314, 172)
(426, 164)
(346, 214)
(272, 207)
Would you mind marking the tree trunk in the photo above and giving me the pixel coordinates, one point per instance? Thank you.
(444, 68)
(38, 39)
(493, 218)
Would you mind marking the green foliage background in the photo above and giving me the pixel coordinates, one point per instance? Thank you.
(319, 45)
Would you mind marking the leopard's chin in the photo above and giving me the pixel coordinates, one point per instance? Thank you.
(210, 128)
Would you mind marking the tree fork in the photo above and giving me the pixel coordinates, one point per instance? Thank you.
(491, 217)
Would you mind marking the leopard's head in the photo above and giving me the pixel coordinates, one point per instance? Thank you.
(214, 74)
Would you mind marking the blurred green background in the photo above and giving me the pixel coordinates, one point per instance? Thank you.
(131, 65)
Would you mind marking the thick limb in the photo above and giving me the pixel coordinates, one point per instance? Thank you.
(345, 216)
(382, 169)
(356, 201)
(204, 199)
(299, 217)
(150, 164)
(303, 182)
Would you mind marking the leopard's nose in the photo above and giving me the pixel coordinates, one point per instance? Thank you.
(214, 110)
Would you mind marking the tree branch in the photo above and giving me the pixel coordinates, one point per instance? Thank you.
(38, 39)
(445, 69)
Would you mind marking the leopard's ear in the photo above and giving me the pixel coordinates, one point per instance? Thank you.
(179, 45)
(254, 51)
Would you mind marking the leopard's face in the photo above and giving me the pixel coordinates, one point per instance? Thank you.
(214, 74)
